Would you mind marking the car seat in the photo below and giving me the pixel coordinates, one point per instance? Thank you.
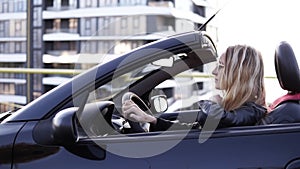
(285, 109)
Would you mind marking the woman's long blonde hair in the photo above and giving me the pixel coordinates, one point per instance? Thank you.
(243, 77)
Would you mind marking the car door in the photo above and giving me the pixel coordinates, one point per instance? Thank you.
(84, 154)
(261, 147)
(274, 146)
(8, 133)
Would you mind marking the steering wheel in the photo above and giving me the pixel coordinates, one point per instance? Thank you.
(94, 114)
(137, 126)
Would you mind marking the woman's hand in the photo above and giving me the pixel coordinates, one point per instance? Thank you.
(132, 112)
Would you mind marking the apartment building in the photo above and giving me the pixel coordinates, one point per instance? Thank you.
(78, 34)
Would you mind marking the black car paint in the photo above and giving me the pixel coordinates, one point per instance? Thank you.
(243, 147)
(7, 139)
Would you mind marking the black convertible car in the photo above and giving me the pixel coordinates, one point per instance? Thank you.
(78, 124)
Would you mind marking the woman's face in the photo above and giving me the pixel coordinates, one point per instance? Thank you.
(218, 71)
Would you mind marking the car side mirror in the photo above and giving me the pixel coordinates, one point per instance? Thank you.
(160, 103)
(60, 130)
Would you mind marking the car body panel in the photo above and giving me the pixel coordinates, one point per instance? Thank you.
(38, 156)
(243, 147)
(8, 133)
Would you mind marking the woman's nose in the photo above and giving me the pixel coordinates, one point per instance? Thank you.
(215, 72)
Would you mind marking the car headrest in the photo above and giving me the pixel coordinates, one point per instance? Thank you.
(287, 69)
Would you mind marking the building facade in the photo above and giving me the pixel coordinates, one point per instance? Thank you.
(78, 34)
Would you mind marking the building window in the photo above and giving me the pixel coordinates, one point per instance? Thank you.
(90, 47)
(106, 23)
(136, 2)
(56, 4)
(37, 13)
(73, 25)
(133, 2)
(114, 2)
(18, 25)
(4, 7)
(65, 3)
(56, 24)
(2, 47)
(2, 30)
(11, 47)
(20, 6)
(88, 26)
(18, 47)
(99, 47)
(73, 3)
(37, 2)
(108, 2)
(73, 46)
(23, 47)
(123, 2)
(136, 22)
(88, 3)
(135, 44)
(105, 26)
(123, 23)
(87, 47)
(18, 28)
(37, 33)
(106, 47)
(93, 47)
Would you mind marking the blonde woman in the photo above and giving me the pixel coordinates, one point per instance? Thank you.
(239, 74)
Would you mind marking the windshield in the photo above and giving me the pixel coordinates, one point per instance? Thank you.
(122, 82)
(182, 89)
(180, 74)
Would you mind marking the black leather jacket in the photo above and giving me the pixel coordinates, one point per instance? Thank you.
(213, 114)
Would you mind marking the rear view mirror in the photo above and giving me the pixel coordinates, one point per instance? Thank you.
(160, 103)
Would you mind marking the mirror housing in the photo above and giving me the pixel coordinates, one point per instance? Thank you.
(64, 128)
(60, 130)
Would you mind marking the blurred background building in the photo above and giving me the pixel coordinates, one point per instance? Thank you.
(78, 34)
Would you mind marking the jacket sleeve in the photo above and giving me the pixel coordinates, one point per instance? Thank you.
(248, 114)
(162, 125)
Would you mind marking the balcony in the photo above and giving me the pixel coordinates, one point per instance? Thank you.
(167, 4)
(61, 52)
(61, 36)
(13, 81)
(60, 8)
(12, 99)
(62, 30)
(13, 58)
